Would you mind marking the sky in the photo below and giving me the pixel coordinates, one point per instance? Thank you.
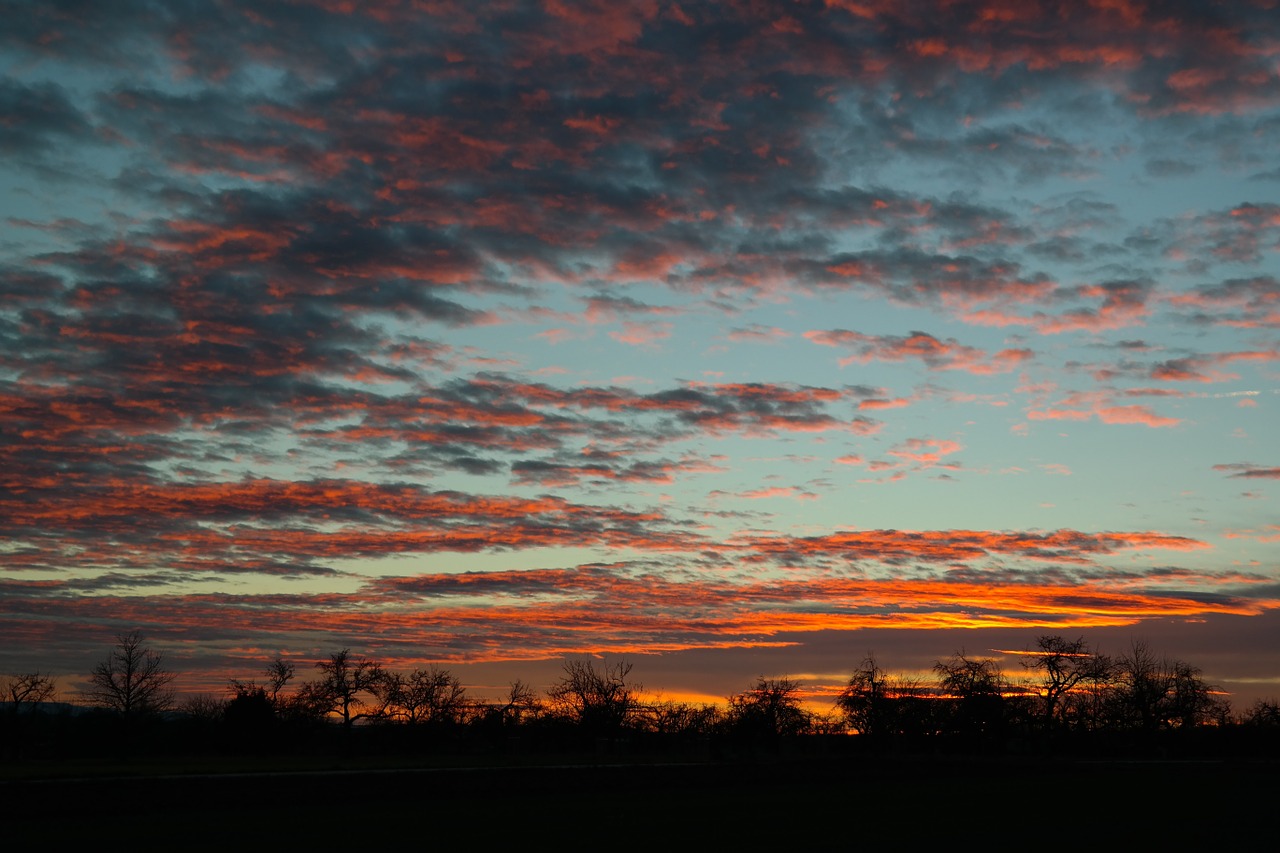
(729, 339)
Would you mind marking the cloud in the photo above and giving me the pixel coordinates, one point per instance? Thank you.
(778, 492)
(961, 545)
(210, 526)
(597, 466)
(880, 403)
(1247, 471)
(39, 119)
(911, 456)
(1083, 407)
(1121, 304)
(1200, 368)
(934, 353)
(927, 451)
(642, 334)
(758, 334)
(1240, 235)
(1238, 302)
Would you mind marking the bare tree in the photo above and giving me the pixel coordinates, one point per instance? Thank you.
(343, 686)
(204, 707)
(878, 704)
(1264, 714)
(30, 688)
(599, 700)
(771, 708)
(977, 686)
(1065, 666)
(432, 696)
(132, 680)
(279, 673)
(964, 677)
(865, 700)
(1154, 693)
(1140, 688)
(668, 717)
(522, 703)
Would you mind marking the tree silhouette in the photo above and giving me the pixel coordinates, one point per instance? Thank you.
(1190, 700)
(23, 694)
(1168, 693)
(341, 689)
(1264, 714)
(685, 719)
(969, 705)
(878, 704)
(1153, 693)
(864, 702)
(598, 700)
(427, 696)
(132, 680)
(770, 709)
(522, 703)
(204, 707)
(30, 688)
(250, 713)
(1065, 666)
(279, 673)
(1140, 689)
(977, 686)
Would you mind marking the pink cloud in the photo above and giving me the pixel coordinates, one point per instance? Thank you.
(935, 353)
(1134, 415)
(927, 451)
(555, 336)
(758, 334)
(779, 492)
(642, 334)
(1083, 407)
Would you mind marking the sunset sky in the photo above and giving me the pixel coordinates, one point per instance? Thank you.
(731, 339)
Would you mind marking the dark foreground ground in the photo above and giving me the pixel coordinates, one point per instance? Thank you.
(789, 804)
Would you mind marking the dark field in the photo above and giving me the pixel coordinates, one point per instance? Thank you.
(801, 803)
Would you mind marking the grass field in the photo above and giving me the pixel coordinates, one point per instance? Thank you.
(802, 804)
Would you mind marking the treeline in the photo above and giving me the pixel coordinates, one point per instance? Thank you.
(1068, 694)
